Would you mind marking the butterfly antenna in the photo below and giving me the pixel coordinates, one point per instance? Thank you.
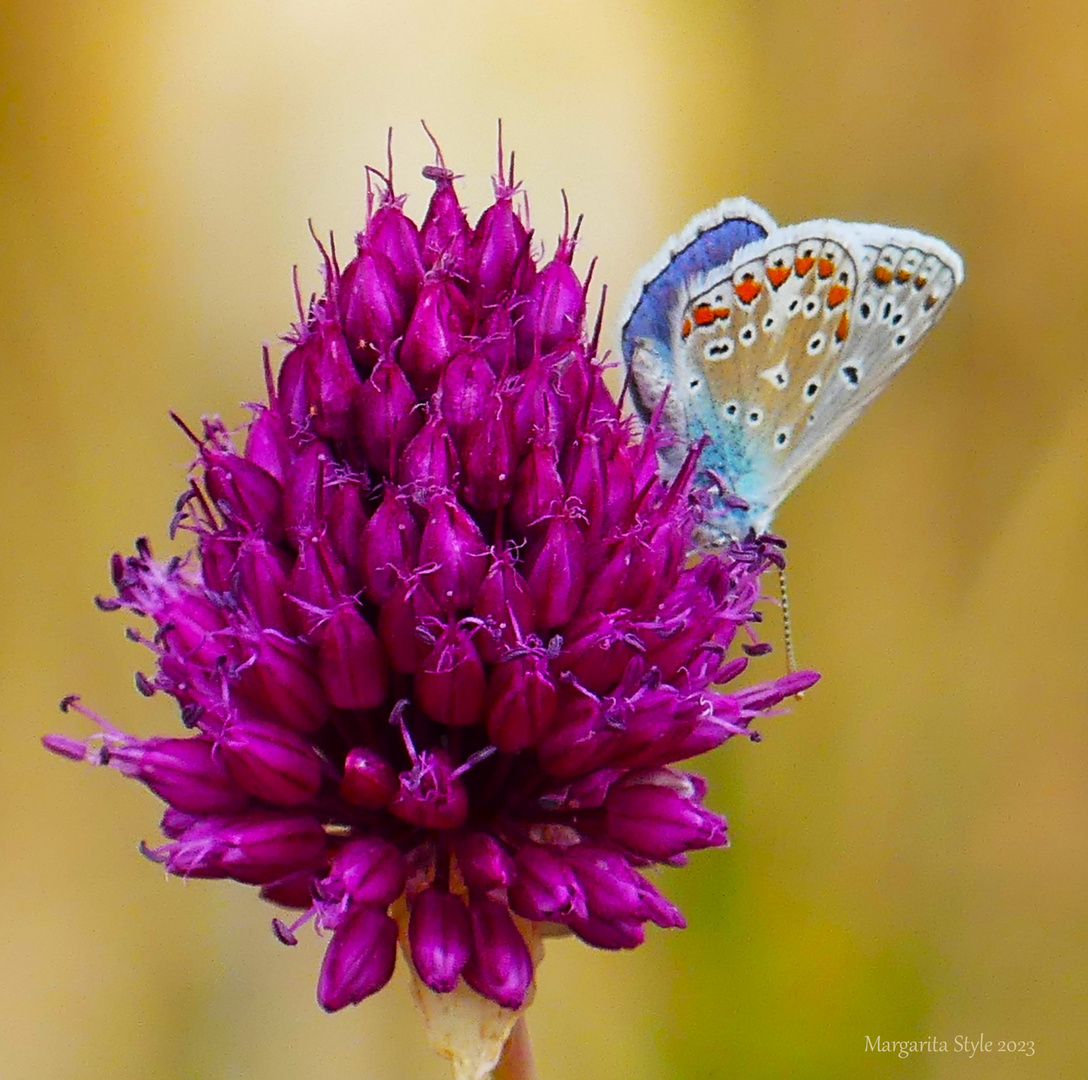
(787, 630)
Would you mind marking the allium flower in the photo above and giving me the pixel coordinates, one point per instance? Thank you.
(440, 644)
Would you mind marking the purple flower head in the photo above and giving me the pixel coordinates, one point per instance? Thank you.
(440, 643)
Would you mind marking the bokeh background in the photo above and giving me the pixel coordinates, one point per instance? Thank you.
(910, 845)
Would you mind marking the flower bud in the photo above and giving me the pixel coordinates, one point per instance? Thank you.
(434, 334)
(390, 232)
(503, 603)
(400, 620)
(440, 937)
(445, 235)
(557, 573)
(429, 461)
(483, 861)
(359, 960)
(369, 780)
(487, 456)
(453, 543)
(350, 660)
(659, 822)
(468, 383)
(244, 492)
(500, 245)
(389, 546)
(546, 889)
(375, 310)
(271, 762)
(500, 967)
(451, 684)
(365, 871)
(332, 384)
(389, 405)
(282, 679)
(538, 491)
(521, 703)
(430, 795)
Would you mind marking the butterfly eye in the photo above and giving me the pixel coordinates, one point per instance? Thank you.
(730, 410)
(816, 344)
(754, 418)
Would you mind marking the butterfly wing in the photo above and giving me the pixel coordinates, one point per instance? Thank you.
(698, 251)
(776, 353)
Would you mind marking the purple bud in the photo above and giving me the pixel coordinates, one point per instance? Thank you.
(264, 583)
(521, 703)
(557, 573)
(500, 967)
(366, 871)
(375, 310)
(483, 861)
(317, 583)
(538, 491)
(350, 660)
(445, 235)
(617, 933)
(282, 679)
(359, 960)
(393, 234)
(538, 413)
(244, 492)
(266, 442)
(654, 819)
(186, 773)
(271, 762)
(293, 891)
(583, 473)
(546, 889)
(500, 243)
(389, 546)
(440, 936)
(503, 603)
(301, 496)
(389, 406)
(399, 621)
(369, 780)
(754, 699)
(346, 520)
(430, 795)
(291, 398)
(429, 461)
(451, 684)
(467, 385)
(332, 384)
(487, 456)
(218, 559)
(611, 887)
(434, 334)
(453, 543)
(554, 309)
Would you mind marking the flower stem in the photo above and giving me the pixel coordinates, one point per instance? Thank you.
(516, 1062)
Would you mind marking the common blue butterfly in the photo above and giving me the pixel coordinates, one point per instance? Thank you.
(771, 342)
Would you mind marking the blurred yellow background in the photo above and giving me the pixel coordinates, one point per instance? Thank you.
(910, 845)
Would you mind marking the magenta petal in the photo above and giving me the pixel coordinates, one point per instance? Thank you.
(359, 960)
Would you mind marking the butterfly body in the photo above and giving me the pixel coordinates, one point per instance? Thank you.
(768, 342)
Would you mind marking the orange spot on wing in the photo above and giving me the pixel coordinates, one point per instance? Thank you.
(748, 289)
(882, 274)
(836, 295)
(930, 301)
(902, 276)
(843, 328)
(920, 282)
(825, 268)
(703, 314)
(776, 275)
(721, 313)
(803, 265)
(685, 329)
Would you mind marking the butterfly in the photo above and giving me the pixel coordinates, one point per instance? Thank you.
(768, 342)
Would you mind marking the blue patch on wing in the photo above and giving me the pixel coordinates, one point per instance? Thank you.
(710, 249)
